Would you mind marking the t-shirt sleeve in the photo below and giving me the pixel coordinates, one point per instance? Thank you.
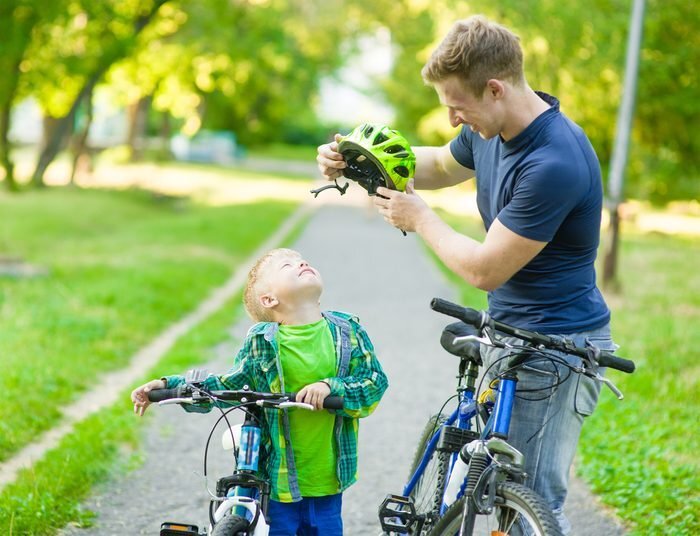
(461, 148)
(542, 199)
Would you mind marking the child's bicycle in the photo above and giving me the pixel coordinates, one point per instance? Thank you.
(465, 481)
(239, 507)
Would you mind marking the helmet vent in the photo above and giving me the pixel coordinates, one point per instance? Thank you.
(381, 138)
(402, 170)
(368, 130)
(395, 149)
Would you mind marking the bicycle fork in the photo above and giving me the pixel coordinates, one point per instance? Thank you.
(491, 459)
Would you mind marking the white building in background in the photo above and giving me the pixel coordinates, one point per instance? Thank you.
(352, 97)
(109, 126)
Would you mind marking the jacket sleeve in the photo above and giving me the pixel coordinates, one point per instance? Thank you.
(238, 376)
(362, 388)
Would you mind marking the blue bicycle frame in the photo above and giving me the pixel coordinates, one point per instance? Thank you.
(497, 425)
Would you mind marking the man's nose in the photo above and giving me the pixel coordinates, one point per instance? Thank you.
(455, 119)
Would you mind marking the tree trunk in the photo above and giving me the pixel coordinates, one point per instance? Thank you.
(610, 281)
(5, 159)
(137, 113)
(64, 124)
(79, 141)
(5, 119)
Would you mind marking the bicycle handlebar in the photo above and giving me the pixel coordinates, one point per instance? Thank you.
(158, 395)
(480, 319)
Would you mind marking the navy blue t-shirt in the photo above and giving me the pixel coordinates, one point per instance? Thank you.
(544, 184)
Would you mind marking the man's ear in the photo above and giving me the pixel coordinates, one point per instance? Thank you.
(495, 88)
(268, 301)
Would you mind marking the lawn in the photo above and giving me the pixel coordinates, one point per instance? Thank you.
(641, 455)
(121, 267)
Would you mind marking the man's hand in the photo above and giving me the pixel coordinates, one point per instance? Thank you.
(330, 161)
(139, 396)
(402, 210)
(314, 394)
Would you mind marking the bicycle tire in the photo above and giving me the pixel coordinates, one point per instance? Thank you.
(513, 501)
(231, 525)
(428, 491)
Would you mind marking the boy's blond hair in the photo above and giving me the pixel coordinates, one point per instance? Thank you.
(476, 50)
(255, 285)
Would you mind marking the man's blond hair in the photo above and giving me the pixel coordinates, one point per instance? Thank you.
(255, 285)
(476, 50)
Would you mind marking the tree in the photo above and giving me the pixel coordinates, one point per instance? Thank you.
(77, 49)
(18, 20)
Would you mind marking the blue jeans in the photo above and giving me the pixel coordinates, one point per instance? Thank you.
(312, 516)
(547, 418)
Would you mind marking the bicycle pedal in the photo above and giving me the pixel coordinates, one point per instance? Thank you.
(178, 529)
(397, 514)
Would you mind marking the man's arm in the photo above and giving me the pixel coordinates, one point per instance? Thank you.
(484, 265)
(437, 168)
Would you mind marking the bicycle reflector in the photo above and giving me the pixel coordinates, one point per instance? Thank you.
(178, 529)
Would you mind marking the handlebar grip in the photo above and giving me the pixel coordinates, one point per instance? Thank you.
(163, 394)
(330, 402)
(465, 314)
(606, 359)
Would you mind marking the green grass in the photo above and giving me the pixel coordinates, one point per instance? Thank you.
(121, 268)
(641, 455)
(285, 152)
(105, 445)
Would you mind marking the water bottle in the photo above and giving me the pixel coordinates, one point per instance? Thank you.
(456, 483)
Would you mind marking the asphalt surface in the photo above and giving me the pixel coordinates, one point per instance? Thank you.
(387, 280)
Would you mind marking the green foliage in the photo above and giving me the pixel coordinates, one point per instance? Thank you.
(578, 54)
(122, 267)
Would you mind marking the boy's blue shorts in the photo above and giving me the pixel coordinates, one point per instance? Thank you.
(312, 516)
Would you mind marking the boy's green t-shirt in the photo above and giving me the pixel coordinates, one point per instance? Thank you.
(307, 355)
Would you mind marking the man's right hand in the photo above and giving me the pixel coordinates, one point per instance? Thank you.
(139, 396)
(330, 161)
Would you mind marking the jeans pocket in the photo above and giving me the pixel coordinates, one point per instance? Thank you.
(587, 389)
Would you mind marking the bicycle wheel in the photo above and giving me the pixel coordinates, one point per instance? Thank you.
(231, 525)
(427, 493)
(518, 511)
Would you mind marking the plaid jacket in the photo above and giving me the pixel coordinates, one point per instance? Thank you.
(360, 380)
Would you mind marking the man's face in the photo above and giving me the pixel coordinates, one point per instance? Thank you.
(291, 279)
(463, 108)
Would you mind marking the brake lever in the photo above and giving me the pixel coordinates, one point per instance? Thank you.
(610, 385)
(486, 339)
(188, 400)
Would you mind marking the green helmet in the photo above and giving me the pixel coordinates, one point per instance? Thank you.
(377, 156)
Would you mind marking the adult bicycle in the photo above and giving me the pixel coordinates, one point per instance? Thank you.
(465, 477)
(239, 505)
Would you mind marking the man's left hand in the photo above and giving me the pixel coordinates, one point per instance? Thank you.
(403, 210)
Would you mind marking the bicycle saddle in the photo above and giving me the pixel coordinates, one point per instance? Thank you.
(464, 349)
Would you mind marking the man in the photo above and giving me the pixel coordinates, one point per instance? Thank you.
(539, 194)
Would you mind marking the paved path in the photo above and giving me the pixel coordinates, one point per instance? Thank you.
(386, 279)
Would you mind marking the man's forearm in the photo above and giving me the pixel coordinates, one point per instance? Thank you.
(460, 253)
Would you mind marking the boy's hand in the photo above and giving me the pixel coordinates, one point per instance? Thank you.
(314, 394)
(139, 396)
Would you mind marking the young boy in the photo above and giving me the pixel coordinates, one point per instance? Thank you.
(309, 457)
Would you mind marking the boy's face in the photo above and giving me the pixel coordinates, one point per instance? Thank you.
(290, 280)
